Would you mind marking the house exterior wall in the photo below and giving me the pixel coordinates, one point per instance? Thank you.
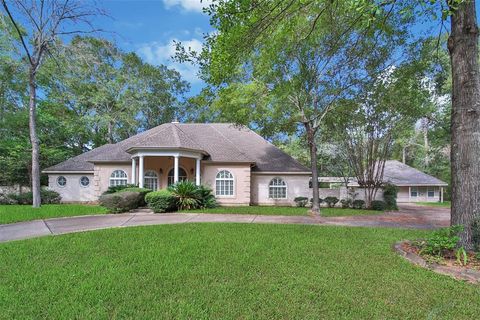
(297, 186)
(73, 191)
(403, 194)
(241, 183)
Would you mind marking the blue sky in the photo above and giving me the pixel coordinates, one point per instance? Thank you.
(149, 27)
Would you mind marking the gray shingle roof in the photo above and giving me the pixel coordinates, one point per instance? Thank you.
(401, 174)
(222, 142)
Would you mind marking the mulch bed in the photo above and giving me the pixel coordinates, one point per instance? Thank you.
(447, 266)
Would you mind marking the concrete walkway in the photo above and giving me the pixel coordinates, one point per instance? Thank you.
(407, 217)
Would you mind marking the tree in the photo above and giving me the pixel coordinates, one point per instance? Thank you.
(44, 22)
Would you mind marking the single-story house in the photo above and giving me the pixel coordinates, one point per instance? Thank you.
(240, 166)
(413, 185)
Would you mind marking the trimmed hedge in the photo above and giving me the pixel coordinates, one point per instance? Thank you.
(358, 204)
(47, 197)
(379, 205)
(121, 201)
(161, 201)
(301, 201)
(331, 201)
(114, 189)
(143, 192)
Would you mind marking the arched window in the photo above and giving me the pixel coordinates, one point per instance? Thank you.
(182, 175)
(151, 180)
(277, 189)
(118, 178)
(224, 183)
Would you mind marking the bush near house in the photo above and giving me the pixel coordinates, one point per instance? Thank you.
(48, 197)
(320, 200)
(346, 203)
(120, 201)
(301, 201)
(390, 192)
(161, 201)
(378, 205)
(143, 192)
(207, 199)
(331, 201)
(358, 204)
(114, 189)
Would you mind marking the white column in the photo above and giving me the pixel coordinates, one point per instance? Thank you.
(409, 194)
(441, 194)
(134, 171)
(140, 172)
(197, 172)
(175, 169)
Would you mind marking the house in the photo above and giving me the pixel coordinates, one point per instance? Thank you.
(240, 166)
(413, 185)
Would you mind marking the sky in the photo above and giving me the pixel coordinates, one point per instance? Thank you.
(149, 28)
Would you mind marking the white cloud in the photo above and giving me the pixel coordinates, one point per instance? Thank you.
(188, 5)
(162, 53)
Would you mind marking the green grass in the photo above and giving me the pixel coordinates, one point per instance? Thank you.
(17, 213)
(445, 204)
(226, 271)
(284, 211)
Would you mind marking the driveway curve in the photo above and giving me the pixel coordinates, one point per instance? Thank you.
(409, 216)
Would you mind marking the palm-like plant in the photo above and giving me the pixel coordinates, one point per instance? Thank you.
(186, 194)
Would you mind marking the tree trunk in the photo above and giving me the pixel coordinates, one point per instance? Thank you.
(110, 132)
(34, 138)
(313, 165)
(404, 154)
(465, 149)
(426, 144)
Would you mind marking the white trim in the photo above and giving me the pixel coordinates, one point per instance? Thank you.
(278, 186)
(157, 177)
(67, 172)
(58, 184)
(234, 189)
(141, 171)
(165, 150)
(110, 177)
(280, 173)
(185, 154)
(179, 167)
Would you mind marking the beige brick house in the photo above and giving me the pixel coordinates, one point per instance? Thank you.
(240, 166)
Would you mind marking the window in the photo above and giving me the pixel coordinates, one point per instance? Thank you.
(61, 181)
(414, 192)
(431, 192)
(151, 180)
(224, 183)
(84, 181)
(277, 189)
(118, 178)
(182, 175)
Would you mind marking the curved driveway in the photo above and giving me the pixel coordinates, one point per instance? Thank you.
(409, 216)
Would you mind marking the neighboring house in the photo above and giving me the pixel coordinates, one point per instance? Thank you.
(413, 185)
(241, 167)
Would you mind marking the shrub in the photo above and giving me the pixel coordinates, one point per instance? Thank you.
(6, 199)
(143, 192)
(206, 197)
(378, 205)
(358, 204)
(186, 194)
(47, 196)
(331, 201)
(476, 234)
(120, 201)
(346, 203)
(301, 201)
(320, 200)
(390, 192)
(161, 201)
(113, 189)
(441, 241)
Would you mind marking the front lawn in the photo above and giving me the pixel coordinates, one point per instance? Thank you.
(17, 213)
(283, 211)
(226, 271)
(445, 204)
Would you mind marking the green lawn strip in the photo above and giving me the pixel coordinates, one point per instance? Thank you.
(226, 271)
(283, 211)
(445, 204)
(17, 213)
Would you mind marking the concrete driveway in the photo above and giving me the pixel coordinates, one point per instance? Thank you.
(409, 216)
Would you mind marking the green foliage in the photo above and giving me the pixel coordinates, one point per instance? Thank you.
(301, 201)
(206, 197)
(186, 195)
(161, 201)
(121, 201)
(476, 234)
(358, 204)
(379, 205)
(331, 201)
(390, 192)
(48, 197)
(441, 241)
(462, 256)
(346, 203)
(143, 192)
(114, 189)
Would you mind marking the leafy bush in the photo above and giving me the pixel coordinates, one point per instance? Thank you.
(331, 201)
(378, 205)
(320, 200)
(161, 201)
(390, 192)
(186, 194)
(120, 201)
(301, 201)
(143, 193)
(47, 197)
(6, 199)
(476, 234)
(441, 241)
(206, 197)
(113, 189)
(346, 203)
(358, 204)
